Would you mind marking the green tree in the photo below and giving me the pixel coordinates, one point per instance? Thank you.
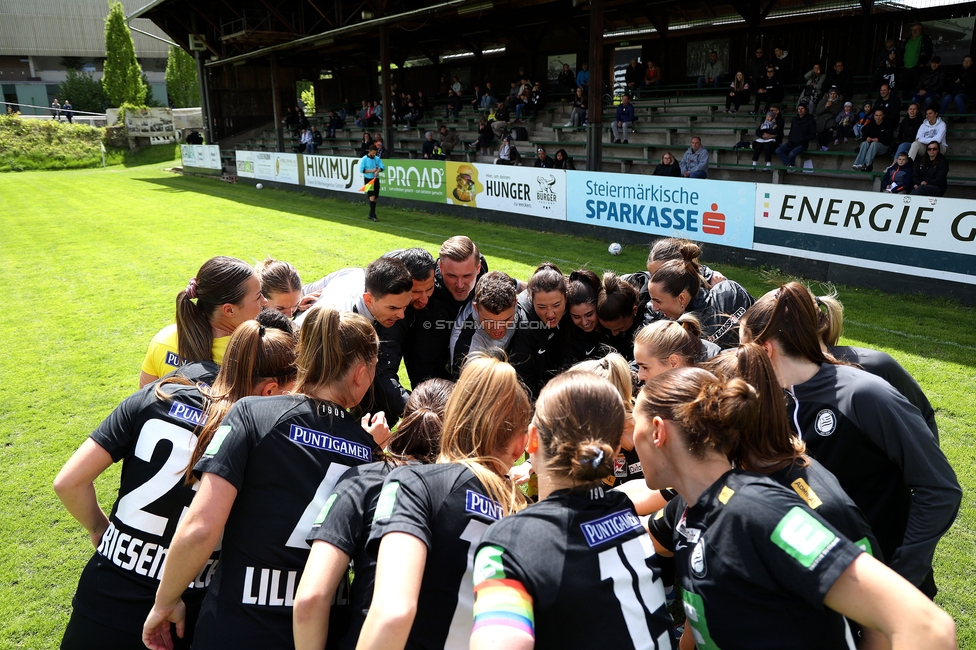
(123, 75)
(83, 91)
(306, 93)
(182, 83)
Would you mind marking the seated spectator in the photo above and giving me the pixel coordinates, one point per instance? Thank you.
(563, 160)
(304, 142)
(583, 78)
(419, 105)
(633, 76)
(783, 63)
(769, 91)
(889, 69)
(757, 69)
(694, 164)
(898, 175)
(827, 110)
(486, 101)
(500, 124)
(864, 117)
(566, 79)
(301, 120)
(668, 166)
(521, 103)
(194, 137)
(810, 95)
(878, 136)
(960, 87)
(457, 87)
(485, 135)
(345, 110)
(623, 120)
(377, 117)
(410, 114)
(335, 123)
(490, 91)
(363, 116)
(653, 76)
(908, 129)
(507, 153)
(537, 99)
(453, 105)
(931, 84)
(431, 148)
(379, 146)
(514, 91)
(738, 93)
(543, 160)
(448, 140)
(769, 135)
(841, 78)
(476, 100)
(889, 103)
(931, 172)
(316, 141)
(932, 129)
(844, 123)
(803, 128)
(578, 116)
(713, 71)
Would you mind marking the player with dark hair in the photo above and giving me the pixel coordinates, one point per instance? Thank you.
(526, 595)
(227, 292)
(583, 334)
(536, 349)
(429, 518)
(677, 287)
(154, 433)
(340, 532)
(666, 249)
(624, 307)
(487, 322)
(264, 477)
(862, 430)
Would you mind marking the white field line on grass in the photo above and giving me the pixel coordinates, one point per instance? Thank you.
(927, 339)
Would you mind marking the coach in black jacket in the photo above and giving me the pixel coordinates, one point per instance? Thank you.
(803, 128)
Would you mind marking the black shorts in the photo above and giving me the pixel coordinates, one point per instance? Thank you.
(374, 189)
(84, 633)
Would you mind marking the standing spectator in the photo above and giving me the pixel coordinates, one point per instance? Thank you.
(757, 68)
(933, 129)
(768, 136)
(583, 78)
(738, 93)
(841, 78)
(653, 76)
(563, 160)
(500, 124)
(566, 79)
(449, 140)
(888, 71)
(668, 167)
(543, 160)
(769, 91)
(623, 120)
(931, 172)
(537, 100)
(959, 87)
(453, 105)
(931, 84)
(783, 63)
(827, 111)
(844, 121)
(917, 52)
(889, 103)
(713, 71)
(898, 176)
(68, 110)
(419, 105)
(335, 123)
(694, 164)
(877, 138)
(908, 129)
(56, 110)
(803, 128)
(811, 92)
(578, 116)
(633, 77)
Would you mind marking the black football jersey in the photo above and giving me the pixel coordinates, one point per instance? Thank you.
(755, 564)
(626, 467)
(446, 507)
(589, 570)
(719, 310)
(154, 439)
(345, 522)
(535, 350)
(284, 455)
(885, 457)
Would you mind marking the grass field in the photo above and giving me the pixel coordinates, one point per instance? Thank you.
(91, 262)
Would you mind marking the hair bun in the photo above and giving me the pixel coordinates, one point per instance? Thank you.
(191, 288)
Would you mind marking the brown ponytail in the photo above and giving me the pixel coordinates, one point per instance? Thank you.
(672, 248)
(666, 337)
(277, 277)
(580, 418)
(418, 436)
(219, 281)
(676, 276)
(330, 344)
(789, 316)
(617, 298)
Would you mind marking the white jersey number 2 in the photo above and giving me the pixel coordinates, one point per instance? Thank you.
(459, 636)
(631, 595)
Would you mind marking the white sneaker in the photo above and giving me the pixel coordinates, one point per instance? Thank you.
(568, 124)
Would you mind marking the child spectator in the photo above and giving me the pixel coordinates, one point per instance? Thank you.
(898, 176)
(844, 121)
(768, 136)
(863, 119)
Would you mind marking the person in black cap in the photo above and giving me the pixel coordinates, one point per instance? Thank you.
(543, 160)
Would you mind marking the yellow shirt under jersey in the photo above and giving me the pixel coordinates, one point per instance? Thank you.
(162, 359)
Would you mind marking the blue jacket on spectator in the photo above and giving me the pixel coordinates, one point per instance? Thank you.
(583, 78)
(694, 161)
(625, 113)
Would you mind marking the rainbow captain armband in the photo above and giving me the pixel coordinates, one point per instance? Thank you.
(499, 600)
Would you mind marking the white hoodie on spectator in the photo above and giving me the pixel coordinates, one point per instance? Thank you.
(932, 132)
